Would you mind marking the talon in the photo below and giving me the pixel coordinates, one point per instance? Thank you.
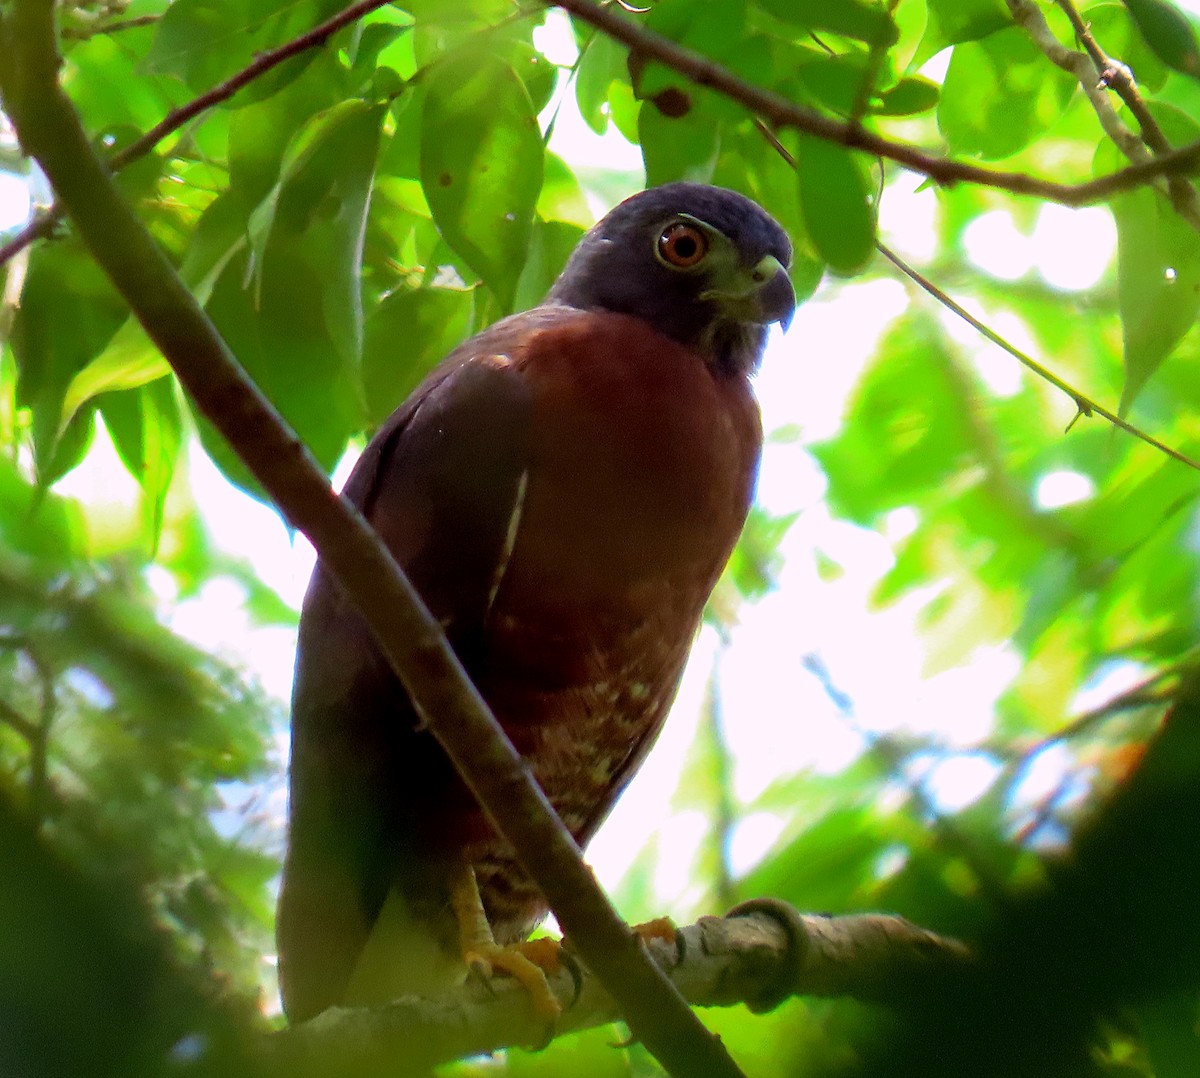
(568, 961)
(527, 962)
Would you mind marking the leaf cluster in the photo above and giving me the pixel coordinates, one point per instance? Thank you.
(363, 206)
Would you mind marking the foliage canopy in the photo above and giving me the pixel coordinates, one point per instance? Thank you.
(361, 205)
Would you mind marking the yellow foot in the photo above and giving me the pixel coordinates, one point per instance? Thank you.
(527, 962)
(661, 928)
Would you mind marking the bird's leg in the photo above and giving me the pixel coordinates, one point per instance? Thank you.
(526, 962)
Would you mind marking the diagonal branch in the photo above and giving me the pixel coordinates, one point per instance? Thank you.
(50, 131)
(1084, 404)
(779, 112)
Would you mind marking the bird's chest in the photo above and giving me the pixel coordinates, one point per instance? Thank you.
(640, 474)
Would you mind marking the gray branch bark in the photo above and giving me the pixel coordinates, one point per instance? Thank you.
(759, 955)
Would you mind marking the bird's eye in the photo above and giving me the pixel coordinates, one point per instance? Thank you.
(682, 245)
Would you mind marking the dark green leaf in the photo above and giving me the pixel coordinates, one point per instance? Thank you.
(147, 431)
(1169, 33)
(406, 335)
(834, 198)
(551, 246)
(678, 148)
(51, 347)
(282, 337)
(203, 42)
(602, 62)
(851, 18)
(954, 21)
(320, 205)
(908, 97)
(1112, 24)
(481, 165)
(1159, 283)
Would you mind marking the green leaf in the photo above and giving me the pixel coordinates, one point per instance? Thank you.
(321, 203)
(131, 359)
(904, 438)
(1000, 95)
(601, 63)
(551, 246)
(908, 97)
(850, 18)
(1158, 283)
(835, 201)
(833, 81)
(951, 22)
(52, 346)
(1169, 33)
(481, 165)
(1112, 24)
(283, 339)
(406, 336)
(204, 42)
(678, 148)
(147, 431)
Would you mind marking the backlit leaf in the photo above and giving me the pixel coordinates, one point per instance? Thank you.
(481, 164)
(406, 335)
(1000, 95)
(834, 199)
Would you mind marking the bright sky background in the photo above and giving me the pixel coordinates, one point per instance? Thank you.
(779, 717)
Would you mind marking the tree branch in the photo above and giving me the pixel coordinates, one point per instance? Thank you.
(1096, 74)
(49, 129)
(778, 111)
(760, 956)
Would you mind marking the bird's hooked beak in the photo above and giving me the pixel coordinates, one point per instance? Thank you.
(763, 294)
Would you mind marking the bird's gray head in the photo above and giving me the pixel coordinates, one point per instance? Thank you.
(705, 266)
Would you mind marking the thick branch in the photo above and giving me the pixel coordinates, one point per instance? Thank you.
(762, 957)
(779, 112)
(50, 131)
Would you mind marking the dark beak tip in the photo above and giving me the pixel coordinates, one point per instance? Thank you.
(779, 300)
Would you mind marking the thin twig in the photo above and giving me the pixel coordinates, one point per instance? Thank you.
(410, 638)
(42, 224)
(71, 33)
(1085, 405)
(1096, 74)
(12, 717)
(779, 112)
(1150, 692)
(1117, 77)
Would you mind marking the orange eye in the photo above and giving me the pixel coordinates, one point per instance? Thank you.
(682, 245)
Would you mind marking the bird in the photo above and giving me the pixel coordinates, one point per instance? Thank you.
(563, 490)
